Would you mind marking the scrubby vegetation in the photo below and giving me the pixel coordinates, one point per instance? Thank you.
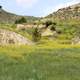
(21, 20)
(36, 35)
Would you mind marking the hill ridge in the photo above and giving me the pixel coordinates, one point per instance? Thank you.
(7, 17)
(71, 12)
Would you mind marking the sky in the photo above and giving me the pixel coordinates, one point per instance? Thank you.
(38, 8)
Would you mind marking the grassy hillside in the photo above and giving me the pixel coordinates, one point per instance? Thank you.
(12, 27)
(67, 21)
(67, 13)
(7, 17)
(40, 62)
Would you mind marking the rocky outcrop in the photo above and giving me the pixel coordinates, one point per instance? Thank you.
(9, 37)
(68, 13)
(76, 40)
(27, 26)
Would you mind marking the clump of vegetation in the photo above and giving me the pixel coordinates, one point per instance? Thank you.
(52, 27)
(48, 23)
(36, 35)
(21, 20)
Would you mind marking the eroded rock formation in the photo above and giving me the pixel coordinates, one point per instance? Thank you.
(9, 37)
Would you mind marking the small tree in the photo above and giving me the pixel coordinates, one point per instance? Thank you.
(48, 23)
(22, 20)
(52, 27)
(36, 35)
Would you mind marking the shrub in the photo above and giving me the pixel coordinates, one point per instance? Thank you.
(22, 20)
(36, 35)
(48, 23)
(52, 26)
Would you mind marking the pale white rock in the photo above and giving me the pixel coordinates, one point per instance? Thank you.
(10, 37)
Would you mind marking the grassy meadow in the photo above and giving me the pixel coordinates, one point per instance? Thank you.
(54, 50)
(41, 62)
(47, 60)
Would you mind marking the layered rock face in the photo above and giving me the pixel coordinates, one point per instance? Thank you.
(9, 37)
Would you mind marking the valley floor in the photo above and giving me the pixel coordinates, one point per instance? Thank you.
(40, 62)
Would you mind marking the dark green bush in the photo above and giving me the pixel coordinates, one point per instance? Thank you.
(36, 35)
(22, 20)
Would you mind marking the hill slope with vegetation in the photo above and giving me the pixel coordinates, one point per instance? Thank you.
(61, 25)
(66, 20)
(48, 60)
(67, 13)
(7, 17)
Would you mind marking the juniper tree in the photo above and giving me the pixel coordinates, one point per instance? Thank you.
(36, 35)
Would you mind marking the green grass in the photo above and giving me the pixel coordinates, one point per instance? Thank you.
(40, 62)
(47, 60)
